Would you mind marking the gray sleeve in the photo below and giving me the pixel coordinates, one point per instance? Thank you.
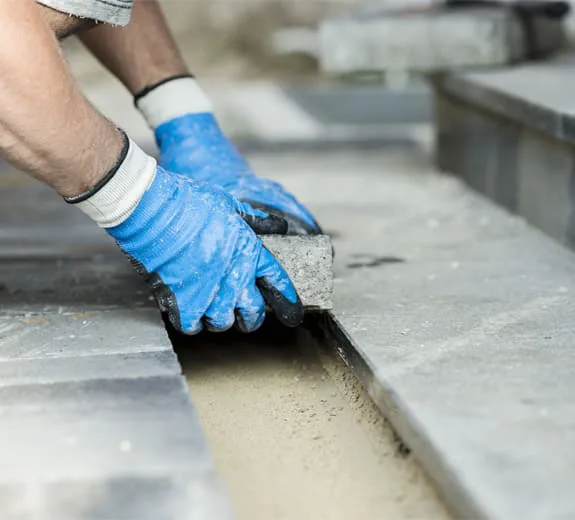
(115, 12)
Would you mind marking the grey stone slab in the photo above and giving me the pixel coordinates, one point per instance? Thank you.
(532, 95)
(512, 162)
(100, 428)
(457, 317)
(33, 283)
(125, 449)
(545, 195)
(65, 332)
(431, 40)
(122, 498)
(469, 355)
(85, 367)
(480, 148)
(364, 105)
(308, 260)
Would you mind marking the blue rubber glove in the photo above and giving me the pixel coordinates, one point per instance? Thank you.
(203, 262)
(195, 145)
(191, 143)
(195, 245)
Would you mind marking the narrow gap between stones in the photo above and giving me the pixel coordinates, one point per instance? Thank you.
(294, 434)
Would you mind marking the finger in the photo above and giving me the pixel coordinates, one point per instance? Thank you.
(186, 323)
(278, 291)
(262, 222)
(250, 310)
(295, 224)
(220, 316)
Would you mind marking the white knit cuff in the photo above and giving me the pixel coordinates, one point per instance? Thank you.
(175, 98)
(115, 201)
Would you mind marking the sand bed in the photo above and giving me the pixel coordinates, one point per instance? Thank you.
(296, 437)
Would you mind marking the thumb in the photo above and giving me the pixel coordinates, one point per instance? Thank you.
(278, 291)
(261, 222)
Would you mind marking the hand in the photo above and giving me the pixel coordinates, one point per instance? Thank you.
(196, 247)
(195, 146)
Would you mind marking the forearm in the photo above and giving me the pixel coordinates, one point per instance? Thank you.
(140, 54)
(47, 127)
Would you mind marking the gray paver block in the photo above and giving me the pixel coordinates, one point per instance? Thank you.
(176, 497)
(508, 134)
(431, 40)
(99, 428)
(83, 367)
(309, 262)
(532, 95)
(79, 332)
(60, 283)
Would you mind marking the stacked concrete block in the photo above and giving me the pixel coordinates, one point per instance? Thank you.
(433, 39)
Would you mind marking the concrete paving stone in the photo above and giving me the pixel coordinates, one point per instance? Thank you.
(479, 147)
(84, 367)
(532, 95)
(66, 332)
(99, 428)
(309, 263)
(458, 319)
(364, 105)
(145, 497)
(432, 40)
(507, 134)
(32, 283)
(545, 190)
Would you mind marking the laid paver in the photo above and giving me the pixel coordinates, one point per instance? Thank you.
(85, 366)
(510, 134)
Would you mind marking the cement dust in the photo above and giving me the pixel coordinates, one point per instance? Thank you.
(294, 435)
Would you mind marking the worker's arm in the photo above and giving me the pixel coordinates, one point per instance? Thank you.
(46, 126)
(195, 245)
(145, 58)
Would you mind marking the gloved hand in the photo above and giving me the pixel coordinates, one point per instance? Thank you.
(195, 247)
(191, 143)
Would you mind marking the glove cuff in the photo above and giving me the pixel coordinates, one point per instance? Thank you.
(115, 197)
(170, 99)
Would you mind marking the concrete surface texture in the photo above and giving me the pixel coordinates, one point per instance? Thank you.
(511, 135)
(309, 263)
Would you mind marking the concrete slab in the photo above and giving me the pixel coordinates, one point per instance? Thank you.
(458, 319)
(532, 95)
(309, 263)
(85, 367)
(128, 497)
(509, 134)
(100, 428)
(434, 39)
(55, 332)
